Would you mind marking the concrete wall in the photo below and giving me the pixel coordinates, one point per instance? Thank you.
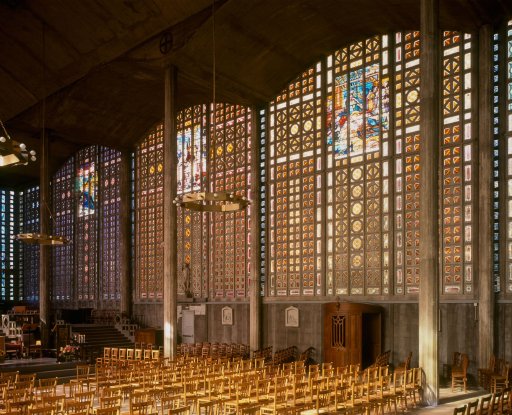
(503, 329)
(308, 334)
(458, 332)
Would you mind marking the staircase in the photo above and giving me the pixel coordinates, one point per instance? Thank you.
(96, 337)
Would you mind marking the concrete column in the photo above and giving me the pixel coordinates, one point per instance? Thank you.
(44, 250)
(124, 236)
(170, 250)
(485, 199)
(255, 297)
(429, 200)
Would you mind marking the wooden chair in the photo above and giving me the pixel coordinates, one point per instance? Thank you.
(406, 364)
(472, 408)
(459, 374)
(485, 373)
(485, 404)
(500, 381)
(461, 410)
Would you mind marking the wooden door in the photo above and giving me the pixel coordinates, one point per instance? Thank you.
(352, 333)
(342, 336)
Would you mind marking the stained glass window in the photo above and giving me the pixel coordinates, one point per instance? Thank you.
(30, 252)
(9, 289)
(192, 177)
(149, 214)
(229, 170)
(87, 225)
(294, 188)
(358, 219)
(109, 254)
(457, 201)
(63, 258)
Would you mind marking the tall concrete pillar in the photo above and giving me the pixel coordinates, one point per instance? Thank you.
(170, 250)
(255, 297)
(485, 199)
(429, 201)
(44, 250)
(124, 236)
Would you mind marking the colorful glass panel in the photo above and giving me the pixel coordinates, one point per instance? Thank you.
(457, 143)
(30, 252)
(192, 177)
(294, 188)
(407, 162)
(109, 258)
(63, 257)
(149, 214)
(9, 288)
(358, 178)
(229, 170)
(87, 226)
(507, 94)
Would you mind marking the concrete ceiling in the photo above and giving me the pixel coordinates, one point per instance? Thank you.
(98, 66)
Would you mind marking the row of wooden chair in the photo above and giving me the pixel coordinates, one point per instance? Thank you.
(495, 376)
(214, 350)
(119, 355)
(499, 403)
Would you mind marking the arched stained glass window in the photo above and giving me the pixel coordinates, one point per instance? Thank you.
(229, 170)
(192, 138)
(63, 258)
(87, 211)
(149, 199)
(295, 188)
(30, 212)
(109, 254)
(364, 181)
(358, 182)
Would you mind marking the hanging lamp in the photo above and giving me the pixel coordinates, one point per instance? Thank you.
(43, 238)
(221, 201)
(13, 153)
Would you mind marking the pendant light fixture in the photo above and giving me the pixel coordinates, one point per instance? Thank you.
(212, 201)
(43, 238)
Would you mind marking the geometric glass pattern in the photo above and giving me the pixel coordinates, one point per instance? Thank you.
(406, 162)
(9, 290)
(229, 171)
(63, 258)
(109, 258)
(496, 101)
(192, 177)
(457, 165)
(29, 210)
(149, 215)
(358, 169)
(263, 199)
(508, 161)
(86, 226)
(294, 188)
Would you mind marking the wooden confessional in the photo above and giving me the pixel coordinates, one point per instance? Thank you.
(352, 333)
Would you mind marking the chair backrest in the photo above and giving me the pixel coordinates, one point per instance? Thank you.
(472, 408)
(485, 403)
(461, 410)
